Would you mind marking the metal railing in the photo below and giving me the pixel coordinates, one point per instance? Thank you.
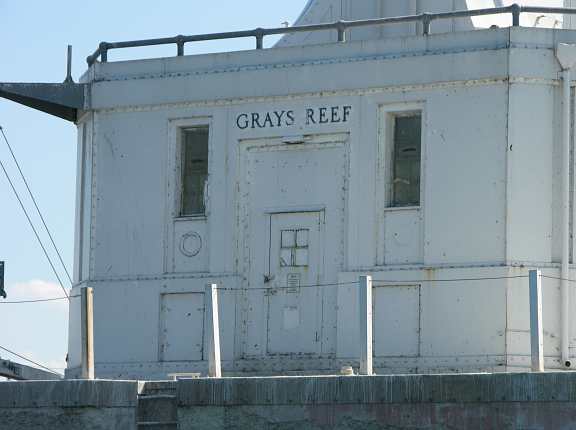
(340, 27)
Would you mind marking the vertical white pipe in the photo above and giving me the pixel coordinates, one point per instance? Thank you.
(365, 319)
(565, 264)
(536, 331)
(87, 332)
(213, 332)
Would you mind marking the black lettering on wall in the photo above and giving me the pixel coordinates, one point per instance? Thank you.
(256, 120)
(242, 121)
(323, 115)
(347, 112)
(310, 116)
(335, 111)
(279, 116)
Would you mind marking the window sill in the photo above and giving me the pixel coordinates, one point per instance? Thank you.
(402, 208)
(191, 218)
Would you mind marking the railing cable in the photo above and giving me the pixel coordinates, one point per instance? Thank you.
(33, 228)
(30, 361)
(35, 203)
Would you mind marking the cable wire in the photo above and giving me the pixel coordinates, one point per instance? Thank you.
(52, 299)
(558, 278)
(30, 361)
(35, 203)
(34, 301)
(33, 228)
(378, 281)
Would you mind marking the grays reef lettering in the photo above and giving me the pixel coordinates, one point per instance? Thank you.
(288, 118)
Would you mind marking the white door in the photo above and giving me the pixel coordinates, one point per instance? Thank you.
(294, 317)
(291, 188)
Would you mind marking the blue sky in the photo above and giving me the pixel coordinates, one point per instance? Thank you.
(33, 40)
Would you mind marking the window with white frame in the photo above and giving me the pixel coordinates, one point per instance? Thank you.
(406, 160)
(194, 174)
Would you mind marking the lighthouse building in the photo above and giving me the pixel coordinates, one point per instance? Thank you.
(431, 159)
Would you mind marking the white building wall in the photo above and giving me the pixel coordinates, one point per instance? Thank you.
(488, 146)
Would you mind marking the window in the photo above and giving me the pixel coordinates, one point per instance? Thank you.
(406, 158)
(294, 248)
(194, 170)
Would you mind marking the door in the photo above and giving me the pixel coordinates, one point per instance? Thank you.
(182, 323)
(294, 263)
(396, 321)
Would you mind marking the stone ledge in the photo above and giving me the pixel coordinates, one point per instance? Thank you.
(68, 394)
(463, 388)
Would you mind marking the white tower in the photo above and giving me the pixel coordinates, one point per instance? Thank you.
(320, 11)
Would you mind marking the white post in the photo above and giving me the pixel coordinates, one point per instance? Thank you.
(536, 331)
(565, 257)
(87, 332)
(365, 316)
(213, 332)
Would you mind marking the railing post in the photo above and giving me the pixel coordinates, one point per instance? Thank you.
(87, 331)
(536, 330)
(365, 314)
(426, 21)
(259, 38)
(341, 32)
(213, 333)
(180, 45)
(104, 52)
(516, 10)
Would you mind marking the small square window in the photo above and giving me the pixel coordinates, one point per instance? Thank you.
(286, 257)
(302, 238)
(294, 248)
(301, 257)
(288, 238)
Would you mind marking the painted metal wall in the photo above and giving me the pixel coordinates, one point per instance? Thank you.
(488, 101)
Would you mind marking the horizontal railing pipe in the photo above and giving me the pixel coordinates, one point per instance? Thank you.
(340, 27)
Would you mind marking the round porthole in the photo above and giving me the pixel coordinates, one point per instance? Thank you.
(191, 244)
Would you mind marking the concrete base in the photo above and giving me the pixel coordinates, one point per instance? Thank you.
(67, 405)
(490, 401)
(423, 402)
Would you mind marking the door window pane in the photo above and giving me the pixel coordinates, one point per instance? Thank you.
(194, 170)
(294, 248)
(406, 159)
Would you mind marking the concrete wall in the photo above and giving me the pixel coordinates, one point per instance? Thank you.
(68, 405)
(483, 402)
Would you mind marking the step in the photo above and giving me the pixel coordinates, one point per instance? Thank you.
(157, 408)
(157, 425)
(149, 388)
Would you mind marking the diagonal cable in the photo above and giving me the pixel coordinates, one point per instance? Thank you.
(33, 229)
(30, 361)
(35, 204)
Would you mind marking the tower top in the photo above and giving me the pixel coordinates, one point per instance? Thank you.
(320, 11)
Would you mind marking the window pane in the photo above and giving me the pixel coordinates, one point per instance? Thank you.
(406, 160)
(302, 238)
(288, 238)
(194, 170)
